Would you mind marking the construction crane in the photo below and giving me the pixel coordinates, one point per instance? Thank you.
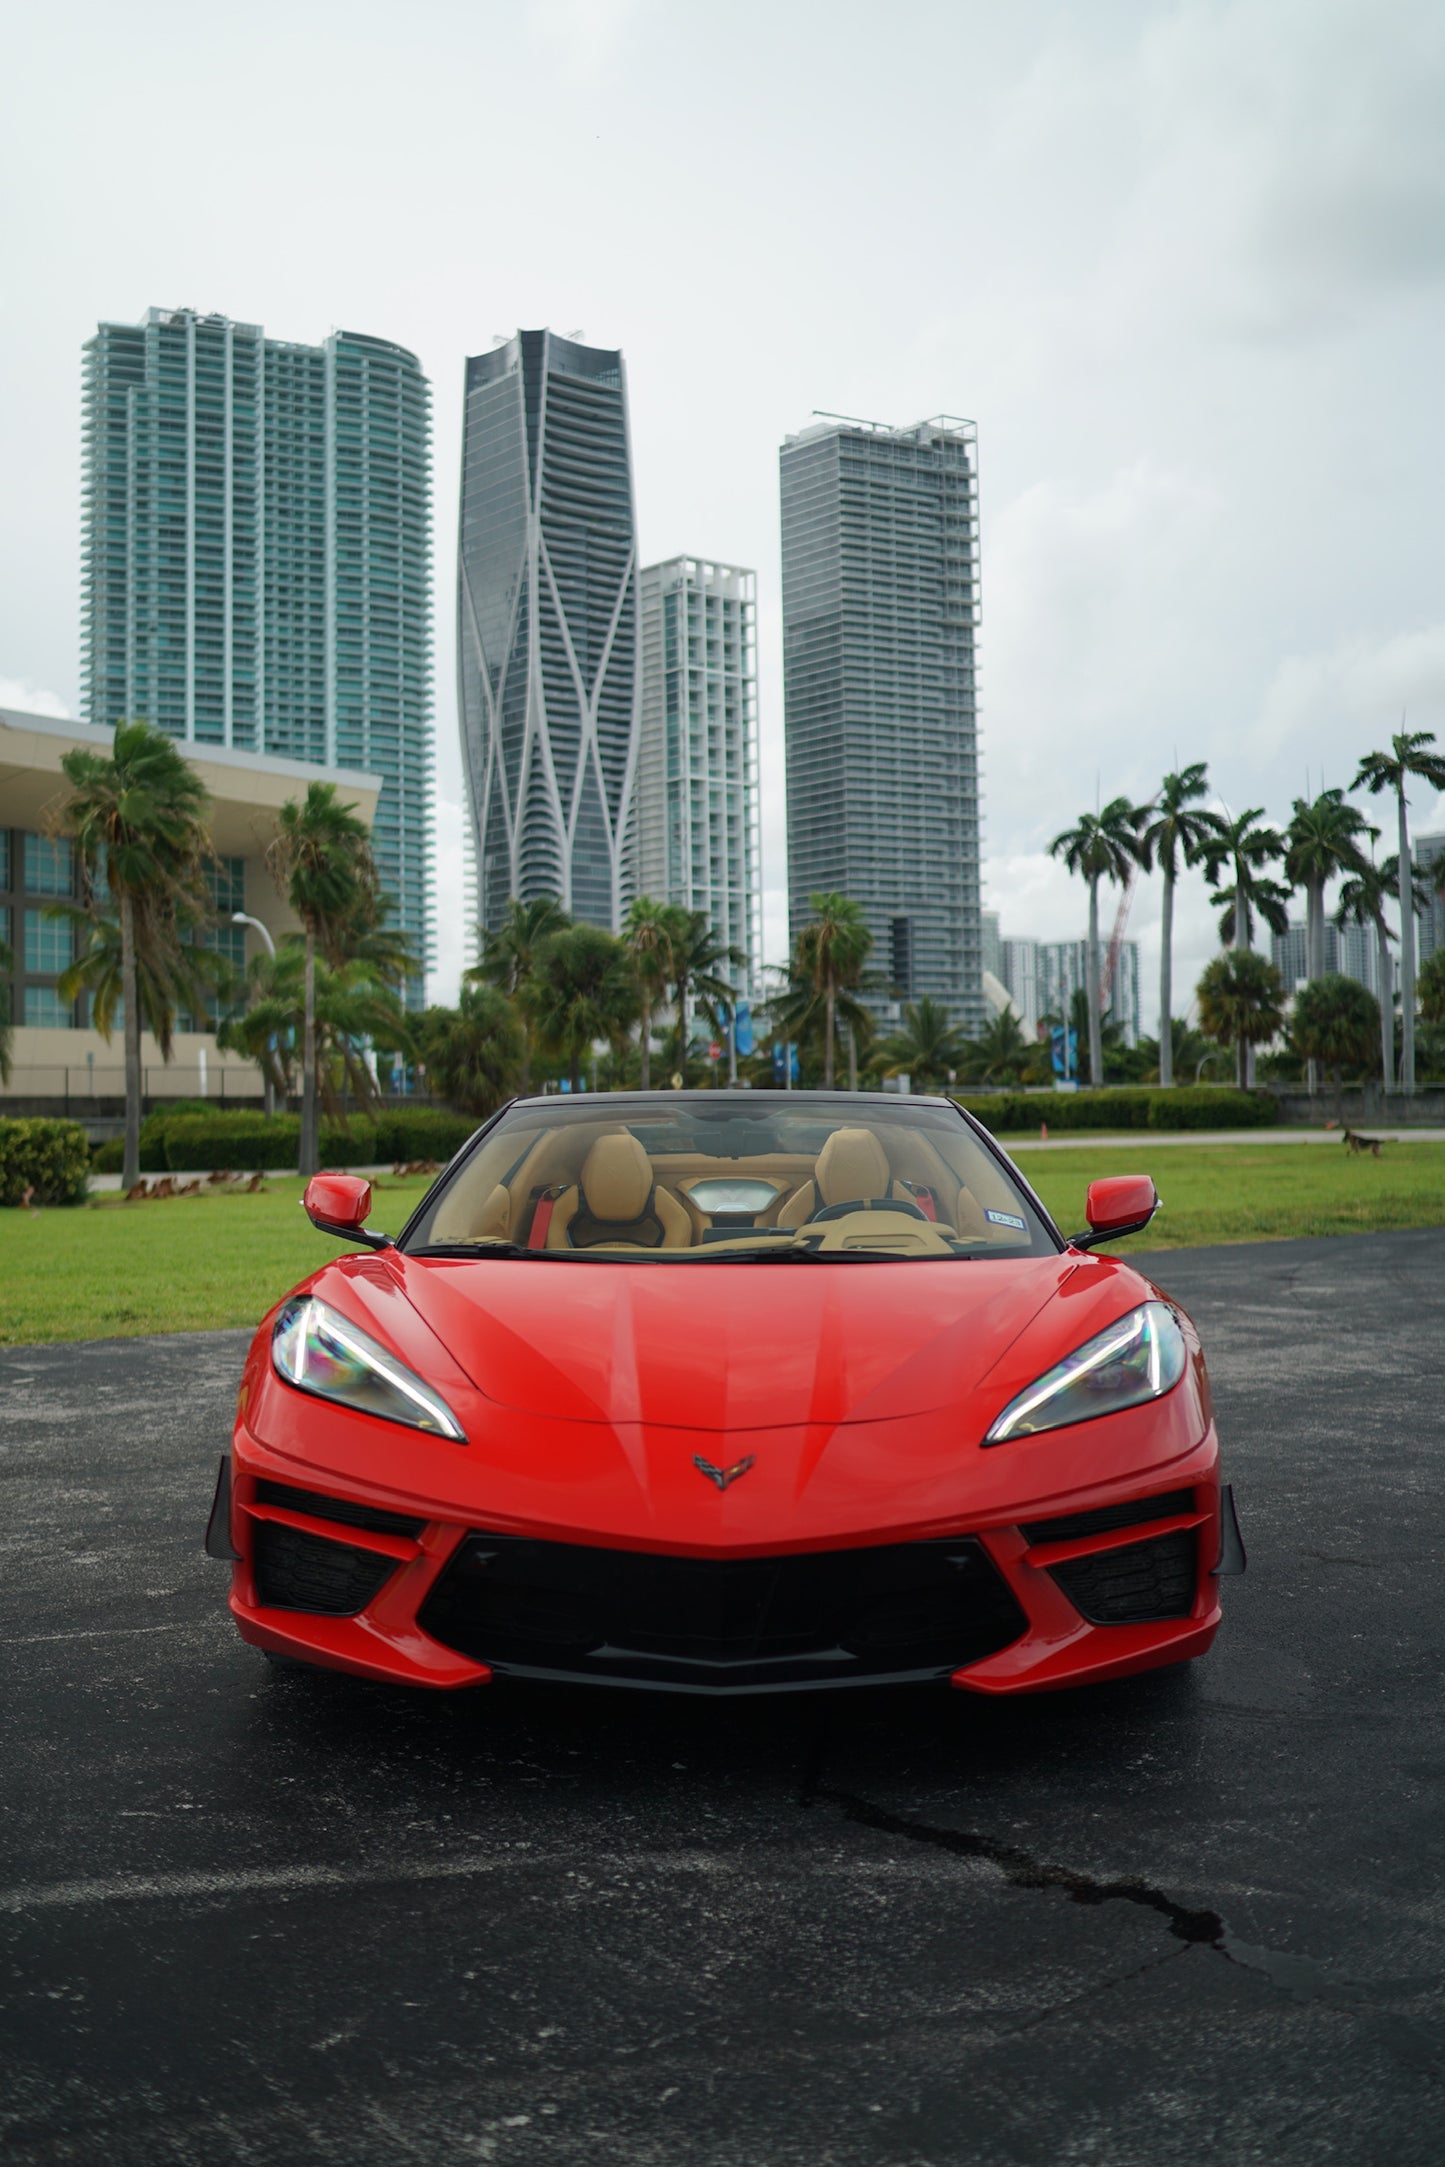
(1116, 940)
(1121, 920)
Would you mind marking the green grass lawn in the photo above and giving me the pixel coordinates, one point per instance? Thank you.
(1250, 1192)
(112, 1269)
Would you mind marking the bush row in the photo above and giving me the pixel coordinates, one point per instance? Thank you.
(196, 1143)
(1189, 1107)
(50, 1159)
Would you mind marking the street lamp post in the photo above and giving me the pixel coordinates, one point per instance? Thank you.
(242, 917)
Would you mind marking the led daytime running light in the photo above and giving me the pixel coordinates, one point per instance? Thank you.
(318, 1351)
(1146, 1352)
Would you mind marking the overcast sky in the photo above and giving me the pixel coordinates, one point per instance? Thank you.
(1184, 265)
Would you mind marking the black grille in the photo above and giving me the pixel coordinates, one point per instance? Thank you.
(1074, 1524)
(1129, 1586)
(297, 1571)
(321, 1507)
(832, 1617)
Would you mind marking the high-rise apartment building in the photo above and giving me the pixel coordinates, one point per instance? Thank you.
(1428, 851)
(880, 617)
(694, 837)
(1349, 952)
(547, 623)
(257, 558)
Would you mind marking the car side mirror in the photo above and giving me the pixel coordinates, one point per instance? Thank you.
(341, 1204)
(1121, 1204)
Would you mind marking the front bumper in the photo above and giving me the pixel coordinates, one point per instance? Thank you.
(1122, 1578)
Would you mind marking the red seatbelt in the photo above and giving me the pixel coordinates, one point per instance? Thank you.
(542, 1218)
(925, 1199)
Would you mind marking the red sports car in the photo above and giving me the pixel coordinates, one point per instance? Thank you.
(728, 1392)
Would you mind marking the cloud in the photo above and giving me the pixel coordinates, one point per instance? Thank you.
(1090, 618)
(583, 34)
(1330, 707)
(1260, 170)
(17, 692)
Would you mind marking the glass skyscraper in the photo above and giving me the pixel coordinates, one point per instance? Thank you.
(694, 835)
(547, 623)
(880, 618)
(257, 558)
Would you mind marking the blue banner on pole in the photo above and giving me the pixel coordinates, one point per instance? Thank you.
(743, 1028)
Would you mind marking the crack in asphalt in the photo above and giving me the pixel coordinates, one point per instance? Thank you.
(1022, 1871)
(1300, 1977)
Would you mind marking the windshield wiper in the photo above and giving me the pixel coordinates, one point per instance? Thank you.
(810, 1255)
(472, 1249)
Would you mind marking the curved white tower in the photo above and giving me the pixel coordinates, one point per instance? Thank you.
(547, 623)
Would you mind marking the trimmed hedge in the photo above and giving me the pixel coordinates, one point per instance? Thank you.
(245, 1142)
(1189, 1107)
(50, 1158)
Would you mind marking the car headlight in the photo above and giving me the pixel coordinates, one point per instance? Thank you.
(318, 1351)
(1140, 1358)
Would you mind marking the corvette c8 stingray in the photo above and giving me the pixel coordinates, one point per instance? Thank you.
(728, 1392)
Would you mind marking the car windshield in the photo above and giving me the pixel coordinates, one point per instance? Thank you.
(730, 1176)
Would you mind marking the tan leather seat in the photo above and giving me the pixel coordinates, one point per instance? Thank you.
(852, 1165)
(616, 1199)
(455, 1221)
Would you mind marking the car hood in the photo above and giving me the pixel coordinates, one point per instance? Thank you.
(729, 1347)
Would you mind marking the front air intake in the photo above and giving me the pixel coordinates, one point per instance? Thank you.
(298, 1571)
(1135, 1585)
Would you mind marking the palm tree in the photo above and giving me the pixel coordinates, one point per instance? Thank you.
(1335, 1022)
(1320, 842)
(137, 816)
(509, 956)
(350, 1005)
(1000, 1053)
(652, 931)
(322, 854)
(696, 953)
(1177, 832)
(1391, 771)
(831, 951)
(1431, 987)
(1362, 903)
(1241, 1003)
(186, 978)
(928, 1048)
(581, 988)
(798, 1012)
(1104, 846)
(473, 1051)
(1243, 848)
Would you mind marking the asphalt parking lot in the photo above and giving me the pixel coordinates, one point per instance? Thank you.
(273, 1917)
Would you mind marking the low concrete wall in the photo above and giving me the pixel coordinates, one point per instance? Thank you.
(1365, 1106)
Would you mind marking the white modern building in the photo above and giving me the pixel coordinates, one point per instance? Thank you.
(695, 836)
(1429, 851)
(57, 1056)
(1350, 952)
(1042, 977)
(547, 623)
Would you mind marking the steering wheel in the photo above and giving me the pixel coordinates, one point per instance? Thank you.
(904, 1204)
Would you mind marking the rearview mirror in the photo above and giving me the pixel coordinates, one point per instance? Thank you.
(1121, 1204)
(341, 1204)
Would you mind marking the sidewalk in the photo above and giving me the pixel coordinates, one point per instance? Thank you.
(1148, 1139)
(108, 1184)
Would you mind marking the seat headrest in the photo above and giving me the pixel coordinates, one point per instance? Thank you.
(851, 1164)
(616, 1179)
